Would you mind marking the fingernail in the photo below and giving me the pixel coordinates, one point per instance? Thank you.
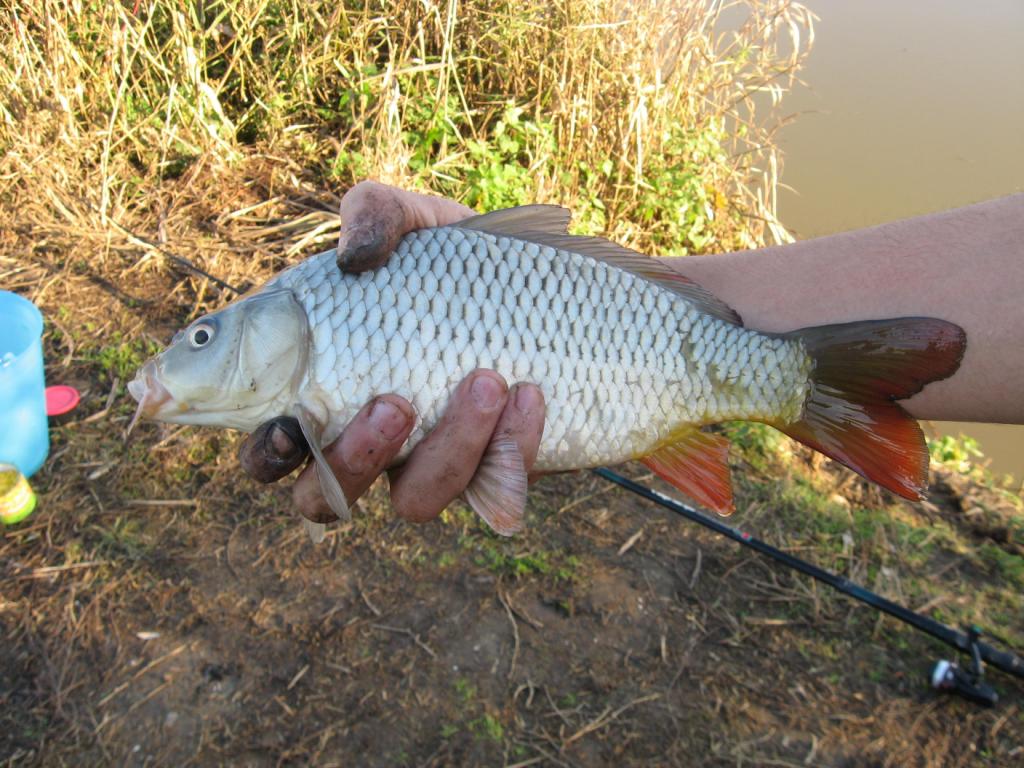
(319, 513)
(387, 419)
(486, 391)
(359, 248)
(282, 444)
(528, 398)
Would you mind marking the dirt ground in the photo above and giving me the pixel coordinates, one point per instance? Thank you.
(160, 609)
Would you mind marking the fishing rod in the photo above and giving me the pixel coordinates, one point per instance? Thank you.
(946, 675)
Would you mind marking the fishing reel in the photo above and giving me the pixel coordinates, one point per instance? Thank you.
(970, 683)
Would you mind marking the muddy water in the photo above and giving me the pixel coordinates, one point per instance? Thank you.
(910, 107)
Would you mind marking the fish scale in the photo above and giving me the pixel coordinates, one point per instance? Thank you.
(584, 324)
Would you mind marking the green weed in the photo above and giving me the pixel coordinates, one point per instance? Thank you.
(465, 690)
(123, 540)
(119, 356)
(957, 453)
(1008, 566)
(500, 557)
(487, 727)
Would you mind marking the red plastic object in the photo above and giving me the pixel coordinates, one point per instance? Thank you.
(60, 399)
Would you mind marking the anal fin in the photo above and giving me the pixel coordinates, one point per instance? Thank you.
(697, 463)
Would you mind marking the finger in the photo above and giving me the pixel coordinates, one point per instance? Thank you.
(523, 421)
(374, 218)
(368, 445)
(274, 450)
(441, 466)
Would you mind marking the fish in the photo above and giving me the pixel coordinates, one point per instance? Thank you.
(635, 361)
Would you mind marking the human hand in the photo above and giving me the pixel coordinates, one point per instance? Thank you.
(482, 408)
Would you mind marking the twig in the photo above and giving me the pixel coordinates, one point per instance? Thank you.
(554, 706)
(582, 500)
(515, 634)
(38, 573)
(524, 763)
(630, 542)
(935, 601)
(409, 633)
(553, 759)
(297, 677)
(141, 672)
(162, 503)
(524, 615)
(696, 571)
(147, 697)
(606, 717)
(111, 396)
(284, 706)
(366, 599)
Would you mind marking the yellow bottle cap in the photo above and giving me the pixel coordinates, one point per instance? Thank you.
(17, 499)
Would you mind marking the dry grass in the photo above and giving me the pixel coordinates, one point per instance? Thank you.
(643, 121)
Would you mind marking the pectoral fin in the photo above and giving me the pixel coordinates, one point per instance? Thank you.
(497, 491)
(696, 463)
(328, 482)
(317, 531)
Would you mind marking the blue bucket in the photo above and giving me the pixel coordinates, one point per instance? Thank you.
(24, 438)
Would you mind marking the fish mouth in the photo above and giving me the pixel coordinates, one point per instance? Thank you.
(151, 395)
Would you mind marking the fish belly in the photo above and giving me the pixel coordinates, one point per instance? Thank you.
(623, 363)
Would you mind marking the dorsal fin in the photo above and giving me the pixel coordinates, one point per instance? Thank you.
(513, 222)
(548, 224)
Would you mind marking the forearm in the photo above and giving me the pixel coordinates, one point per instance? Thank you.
(965, 266)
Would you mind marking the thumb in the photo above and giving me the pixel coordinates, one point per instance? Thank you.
(274, 450)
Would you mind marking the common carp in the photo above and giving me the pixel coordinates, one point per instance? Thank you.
(632, 357)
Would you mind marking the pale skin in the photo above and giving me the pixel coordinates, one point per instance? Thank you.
(964, 265)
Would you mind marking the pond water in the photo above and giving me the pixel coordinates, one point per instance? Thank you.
(909, 107)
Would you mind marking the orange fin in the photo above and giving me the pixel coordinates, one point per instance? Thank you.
(859, 370)
(697, 463)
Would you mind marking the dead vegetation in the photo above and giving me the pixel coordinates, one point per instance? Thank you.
(161, 609)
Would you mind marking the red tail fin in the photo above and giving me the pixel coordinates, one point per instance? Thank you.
(859, 370)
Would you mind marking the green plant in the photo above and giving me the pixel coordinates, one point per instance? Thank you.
(122, 357)
(465, 690)
(487, 727)
(957, 453)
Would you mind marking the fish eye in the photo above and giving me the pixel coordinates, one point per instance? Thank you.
(200, 335)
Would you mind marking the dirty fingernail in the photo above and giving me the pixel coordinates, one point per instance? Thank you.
(528, 398)
(387, 419)
(360, 248)
(486, 391)
(282, 443)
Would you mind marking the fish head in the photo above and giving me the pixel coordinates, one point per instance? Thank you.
(233, 368)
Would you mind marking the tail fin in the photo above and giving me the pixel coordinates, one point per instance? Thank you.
(860, 369)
